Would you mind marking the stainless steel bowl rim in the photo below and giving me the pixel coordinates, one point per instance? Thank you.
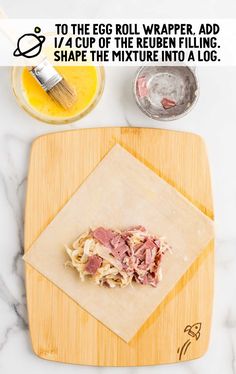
(173, 117)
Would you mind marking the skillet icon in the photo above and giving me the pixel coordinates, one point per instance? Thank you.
(29, 45)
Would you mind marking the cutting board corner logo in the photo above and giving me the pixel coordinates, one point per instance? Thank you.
(194, 331)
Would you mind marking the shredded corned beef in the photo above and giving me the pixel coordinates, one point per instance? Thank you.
(104, 236)
(140, 259)
(116, 258)
(94, 262)
(167, 103)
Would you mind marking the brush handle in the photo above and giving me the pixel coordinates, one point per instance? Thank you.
(2, 14)
(10, 33)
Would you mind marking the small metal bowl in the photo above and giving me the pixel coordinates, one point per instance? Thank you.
(155, 83)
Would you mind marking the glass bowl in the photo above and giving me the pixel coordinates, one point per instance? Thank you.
(24, 104)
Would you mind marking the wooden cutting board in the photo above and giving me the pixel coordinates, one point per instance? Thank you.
(61, 330)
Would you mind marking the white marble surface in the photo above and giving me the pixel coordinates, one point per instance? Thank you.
(214, 118)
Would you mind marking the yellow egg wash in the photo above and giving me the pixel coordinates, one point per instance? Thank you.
(84, 79)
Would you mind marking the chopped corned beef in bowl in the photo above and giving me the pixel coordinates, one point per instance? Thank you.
(114, 258)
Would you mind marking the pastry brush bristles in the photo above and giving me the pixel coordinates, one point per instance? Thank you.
(63, 94)
(54, 84)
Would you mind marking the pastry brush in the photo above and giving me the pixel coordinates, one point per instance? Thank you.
(54, 84)
(48, 77)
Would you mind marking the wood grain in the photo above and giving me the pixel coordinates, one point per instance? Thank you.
(60, 329)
